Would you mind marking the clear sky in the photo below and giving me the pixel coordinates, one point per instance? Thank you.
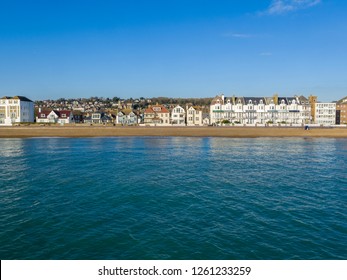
(173, 48)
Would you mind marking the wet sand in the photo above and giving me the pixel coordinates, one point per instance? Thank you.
(107, 131)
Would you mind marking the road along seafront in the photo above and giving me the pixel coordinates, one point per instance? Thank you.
(114, 131)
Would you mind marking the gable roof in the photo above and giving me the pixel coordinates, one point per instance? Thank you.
(156, 109)
(62, 112)
(217, 99)
(284, 99)
(44, 114)
(126, 111)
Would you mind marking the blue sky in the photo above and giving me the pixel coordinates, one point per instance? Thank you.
(173, 48)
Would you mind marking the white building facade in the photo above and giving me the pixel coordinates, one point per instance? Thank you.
(17, 109)
(259, 110)
(178, 116)
(54, 116)
(325, 113)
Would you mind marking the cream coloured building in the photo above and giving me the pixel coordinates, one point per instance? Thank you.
(194, 116)
(16, 109)
(156, 114)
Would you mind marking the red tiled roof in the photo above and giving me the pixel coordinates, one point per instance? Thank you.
(149, 110)
(157, 109)
(44, 112)
(58, 113)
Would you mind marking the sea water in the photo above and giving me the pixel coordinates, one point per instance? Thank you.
(173, 198)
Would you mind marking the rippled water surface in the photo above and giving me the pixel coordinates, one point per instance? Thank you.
(173, 198)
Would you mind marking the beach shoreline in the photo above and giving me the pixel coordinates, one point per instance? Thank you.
(110, 131)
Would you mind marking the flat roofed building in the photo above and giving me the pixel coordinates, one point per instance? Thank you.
(325, 113)
(341, 111)
(17, 109)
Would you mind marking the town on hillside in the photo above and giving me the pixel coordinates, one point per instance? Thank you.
(223, 110)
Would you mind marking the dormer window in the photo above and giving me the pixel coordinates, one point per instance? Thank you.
(63, 115)
(239, 101)
(43, 115)
(282, 101)
(261, 101)
(250, 102)
(228, 101)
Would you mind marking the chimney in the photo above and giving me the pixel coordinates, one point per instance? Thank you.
(233, 98)
(275, 97)
(39, 109)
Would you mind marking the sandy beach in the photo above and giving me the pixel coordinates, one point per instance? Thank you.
(237, 132)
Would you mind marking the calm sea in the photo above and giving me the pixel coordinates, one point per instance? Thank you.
(173, 198)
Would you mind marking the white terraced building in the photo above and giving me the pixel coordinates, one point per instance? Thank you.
(325, 113)
(16, 109)
(260, 110)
